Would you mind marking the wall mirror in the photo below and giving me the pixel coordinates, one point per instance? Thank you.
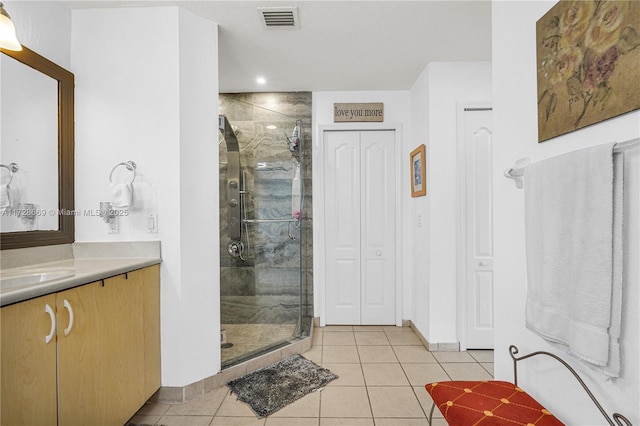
(37, 134)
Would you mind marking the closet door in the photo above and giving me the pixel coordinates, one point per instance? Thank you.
(360, 227)
(342, 221)
(378, 221)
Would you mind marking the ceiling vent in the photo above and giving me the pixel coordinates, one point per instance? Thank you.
(279, 17)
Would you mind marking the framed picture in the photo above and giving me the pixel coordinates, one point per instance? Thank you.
(588, 64)
(418, 165)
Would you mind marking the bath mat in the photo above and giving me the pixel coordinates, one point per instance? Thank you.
(273, 387)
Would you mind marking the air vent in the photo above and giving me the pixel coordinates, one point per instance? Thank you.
(279, 17)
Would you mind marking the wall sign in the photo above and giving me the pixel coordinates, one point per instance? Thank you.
(358, 112)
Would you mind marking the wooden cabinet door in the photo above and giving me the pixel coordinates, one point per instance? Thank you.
(124, 345)
(81, 358)
(151, 312)
(100, 360)
(28, 363)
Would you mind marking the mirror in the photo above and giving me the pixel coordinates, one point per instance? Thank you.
(37, 125)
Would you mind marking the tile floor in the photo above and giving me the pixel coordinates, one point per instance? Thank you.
(382, 372)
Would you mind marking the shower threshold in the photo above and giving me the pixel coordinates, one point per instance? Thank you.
(251, 340)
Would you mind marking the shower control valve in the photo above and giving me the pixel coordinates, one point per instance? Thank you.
(235, 248)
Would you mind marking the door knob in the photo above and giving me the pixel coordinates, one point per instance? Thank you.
(378, 253)
(483, 263)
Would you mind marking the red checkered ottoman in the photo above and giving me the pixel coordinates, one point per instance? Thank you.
(487, 403)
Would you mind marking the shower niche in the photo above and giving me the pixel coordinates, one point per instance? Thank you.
(265, 222)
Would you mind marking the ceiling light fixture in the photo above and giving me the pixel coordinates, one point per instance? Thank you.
(8, 39)
(271, 126)
(261, 80)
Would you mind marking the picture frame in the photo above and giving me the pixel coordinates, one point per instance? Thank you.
(588, 64)
(418, 175)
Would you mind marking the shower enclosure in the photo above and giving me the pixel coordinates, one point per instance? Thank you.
(263, 232)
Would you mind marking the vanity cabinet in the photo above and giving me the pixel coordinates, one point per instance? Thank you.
(28, 363)
(101, 365)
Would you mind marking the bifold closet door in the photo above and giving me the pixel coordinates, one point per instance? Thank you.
(360, 220)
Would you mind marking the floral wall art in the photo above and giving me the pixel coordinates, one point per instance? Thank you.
(588, 58)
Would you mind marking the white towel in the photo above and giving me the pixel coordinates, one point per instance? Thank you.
(5, 197)
(121, 195)
(574, 264)
(295, 192)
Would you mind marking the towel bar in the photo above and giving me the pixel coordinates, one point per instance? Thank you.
(624, 146)
(517, 171)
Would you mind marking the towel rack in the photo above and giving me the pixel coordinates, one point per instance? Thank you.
(517, 171)
(12, 167)
(624, 146)
(130, 165)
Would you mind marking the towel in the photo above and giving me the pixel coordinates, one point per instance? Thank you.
(295, 192)
(5, 197)
(573, 226)
(121, 195)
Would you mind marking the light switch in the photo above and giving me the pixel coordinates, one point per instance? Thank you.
(152, 223)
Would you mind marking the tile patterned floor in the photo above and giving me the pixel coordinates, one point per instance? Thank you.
(382, 372)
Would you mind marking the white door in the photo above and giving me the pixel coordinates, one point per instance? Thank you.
(479, 228)
(360, 227)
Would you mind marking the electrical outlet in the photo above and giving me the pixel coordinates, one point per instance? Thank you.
(114, 226)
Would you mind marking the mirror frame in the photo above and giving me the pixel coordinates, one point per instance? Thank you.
(66, 222)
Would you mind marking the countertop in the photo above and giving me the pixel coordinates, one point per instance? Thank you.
(88, 264)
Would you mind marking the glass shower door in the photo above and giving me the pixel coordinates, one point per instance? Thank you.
(261, 278)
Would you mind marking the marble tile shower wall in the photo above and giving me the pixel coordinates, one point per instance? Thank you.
(265, 287)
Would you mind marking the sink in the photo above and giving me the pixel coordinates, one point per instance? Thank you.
(33, 276)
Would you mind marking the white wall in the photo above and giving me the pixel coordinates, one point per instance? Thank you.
(418, 212)
(146, 90)
(396, 113)
(435, 97)
(515, 127)
(44, 27)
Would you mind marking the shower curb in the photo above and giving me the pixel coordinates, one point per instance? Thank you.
(182, 394)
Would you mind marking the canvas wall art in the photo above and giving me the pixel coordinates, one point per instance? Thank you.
(588, 59)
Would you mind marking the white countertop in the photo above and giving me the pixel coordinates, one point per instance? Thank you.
(85, 270)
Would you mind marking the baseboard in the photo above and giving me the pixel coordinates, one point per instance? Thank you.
(434, 347)
(182, 394)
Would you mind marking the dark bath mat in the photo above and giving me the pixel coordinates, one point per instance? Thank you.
(271, 388)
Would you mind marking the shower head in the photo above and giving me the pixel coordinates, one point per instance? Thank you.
(293, 142)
